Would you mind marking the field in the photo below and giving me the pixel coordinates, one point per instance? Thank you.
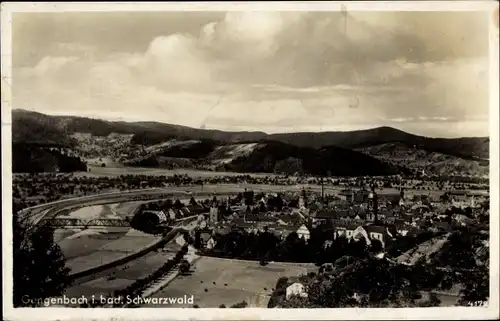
(124, 275)
(217, 281)
(91, 250)
(126, 170)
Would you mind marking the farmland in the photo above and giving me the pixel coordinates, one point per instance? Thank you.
(217, 281)
(124, 275)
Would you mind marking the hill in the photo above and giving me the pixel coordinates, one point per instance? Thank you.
(467, 147)
(28, 158)
(158, 144)
(150, 133)
(417, 159)
(265, 157)
(145, 133)
(281, 158)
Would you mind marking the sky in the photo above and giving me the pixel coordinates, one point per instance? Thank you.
(422, 72)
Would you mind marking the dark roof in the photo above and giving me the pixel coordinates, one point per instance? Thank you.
(205, 236)
(290, 219)
(375, 229)
(391, 197)
(385, 212)
(351, 227)
(324, 214)
(346, 192)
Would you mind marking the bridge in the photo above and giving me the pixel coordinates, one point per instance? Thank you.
(79, 223)
(63, 222)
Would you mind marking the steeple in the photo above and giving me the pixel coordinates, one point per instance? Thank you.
(372, 214)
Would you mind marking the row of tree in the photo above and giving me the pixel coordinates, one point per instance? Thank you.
(266, 246)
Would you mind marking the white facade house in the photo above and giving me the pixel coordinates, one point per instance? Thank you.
(303, 232)
(211, 243)
(296, 289)
(171, 214)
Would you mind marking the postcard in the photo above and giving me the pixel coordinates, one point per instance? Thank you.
(250, 160)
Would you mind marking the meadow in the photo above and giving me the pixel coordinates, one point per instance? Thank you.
(216, 281)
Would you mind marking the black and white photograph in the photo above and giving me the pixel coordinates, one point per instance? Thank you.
(237, 156)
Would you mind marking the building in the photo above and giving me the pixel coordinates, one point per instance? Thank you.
(248, 197)
(296, 289)
(361, 196)
(371, 215)
(323, 216)
(347, 195)
(369, 233)
(379, 233)
(161, 215)
(214, 214)
(211, 243)
(303, 232)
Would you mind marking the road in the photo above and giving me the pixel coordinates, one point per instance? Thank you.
(33, 215)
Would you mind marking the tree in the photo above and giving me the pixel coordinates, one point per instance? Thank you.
(376, 246)
(39, 265)
(289, 165)
(197, 239)
(242, 304)
(184, 267)
(296, 302)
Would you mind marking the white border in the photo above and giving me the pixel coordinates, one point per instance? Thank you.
(248, 314)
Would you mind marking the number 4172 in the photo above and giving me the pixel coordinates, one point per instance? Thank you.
(478, 303)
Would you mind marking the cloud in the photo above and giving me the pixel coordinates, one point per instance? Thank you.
(276, 71)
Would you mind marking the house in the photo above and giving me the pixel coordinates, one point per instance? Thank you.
(172, 214)
(185, 212)
(205, 236)
(346, 195)
(369, 233)
(347, 231)
(376, 232)
(361, 196)
(327, 244)
(461, 219)
(210, 243)
(303, 232)
(160, 214)
(296, 289)
(322, 216)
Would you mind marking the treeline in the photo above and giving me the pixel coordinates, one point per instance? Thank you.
(281, 158)
(196, 150)
(266, 246)
(32, 159)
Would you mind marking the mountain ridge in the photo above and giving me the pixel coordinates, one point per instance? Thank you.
(163, 131)
(152, 144)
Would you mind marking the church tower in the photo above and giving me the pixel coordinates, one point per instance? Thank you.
(214, 211)
(401, 196)
(302, 199)
(372, 213)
